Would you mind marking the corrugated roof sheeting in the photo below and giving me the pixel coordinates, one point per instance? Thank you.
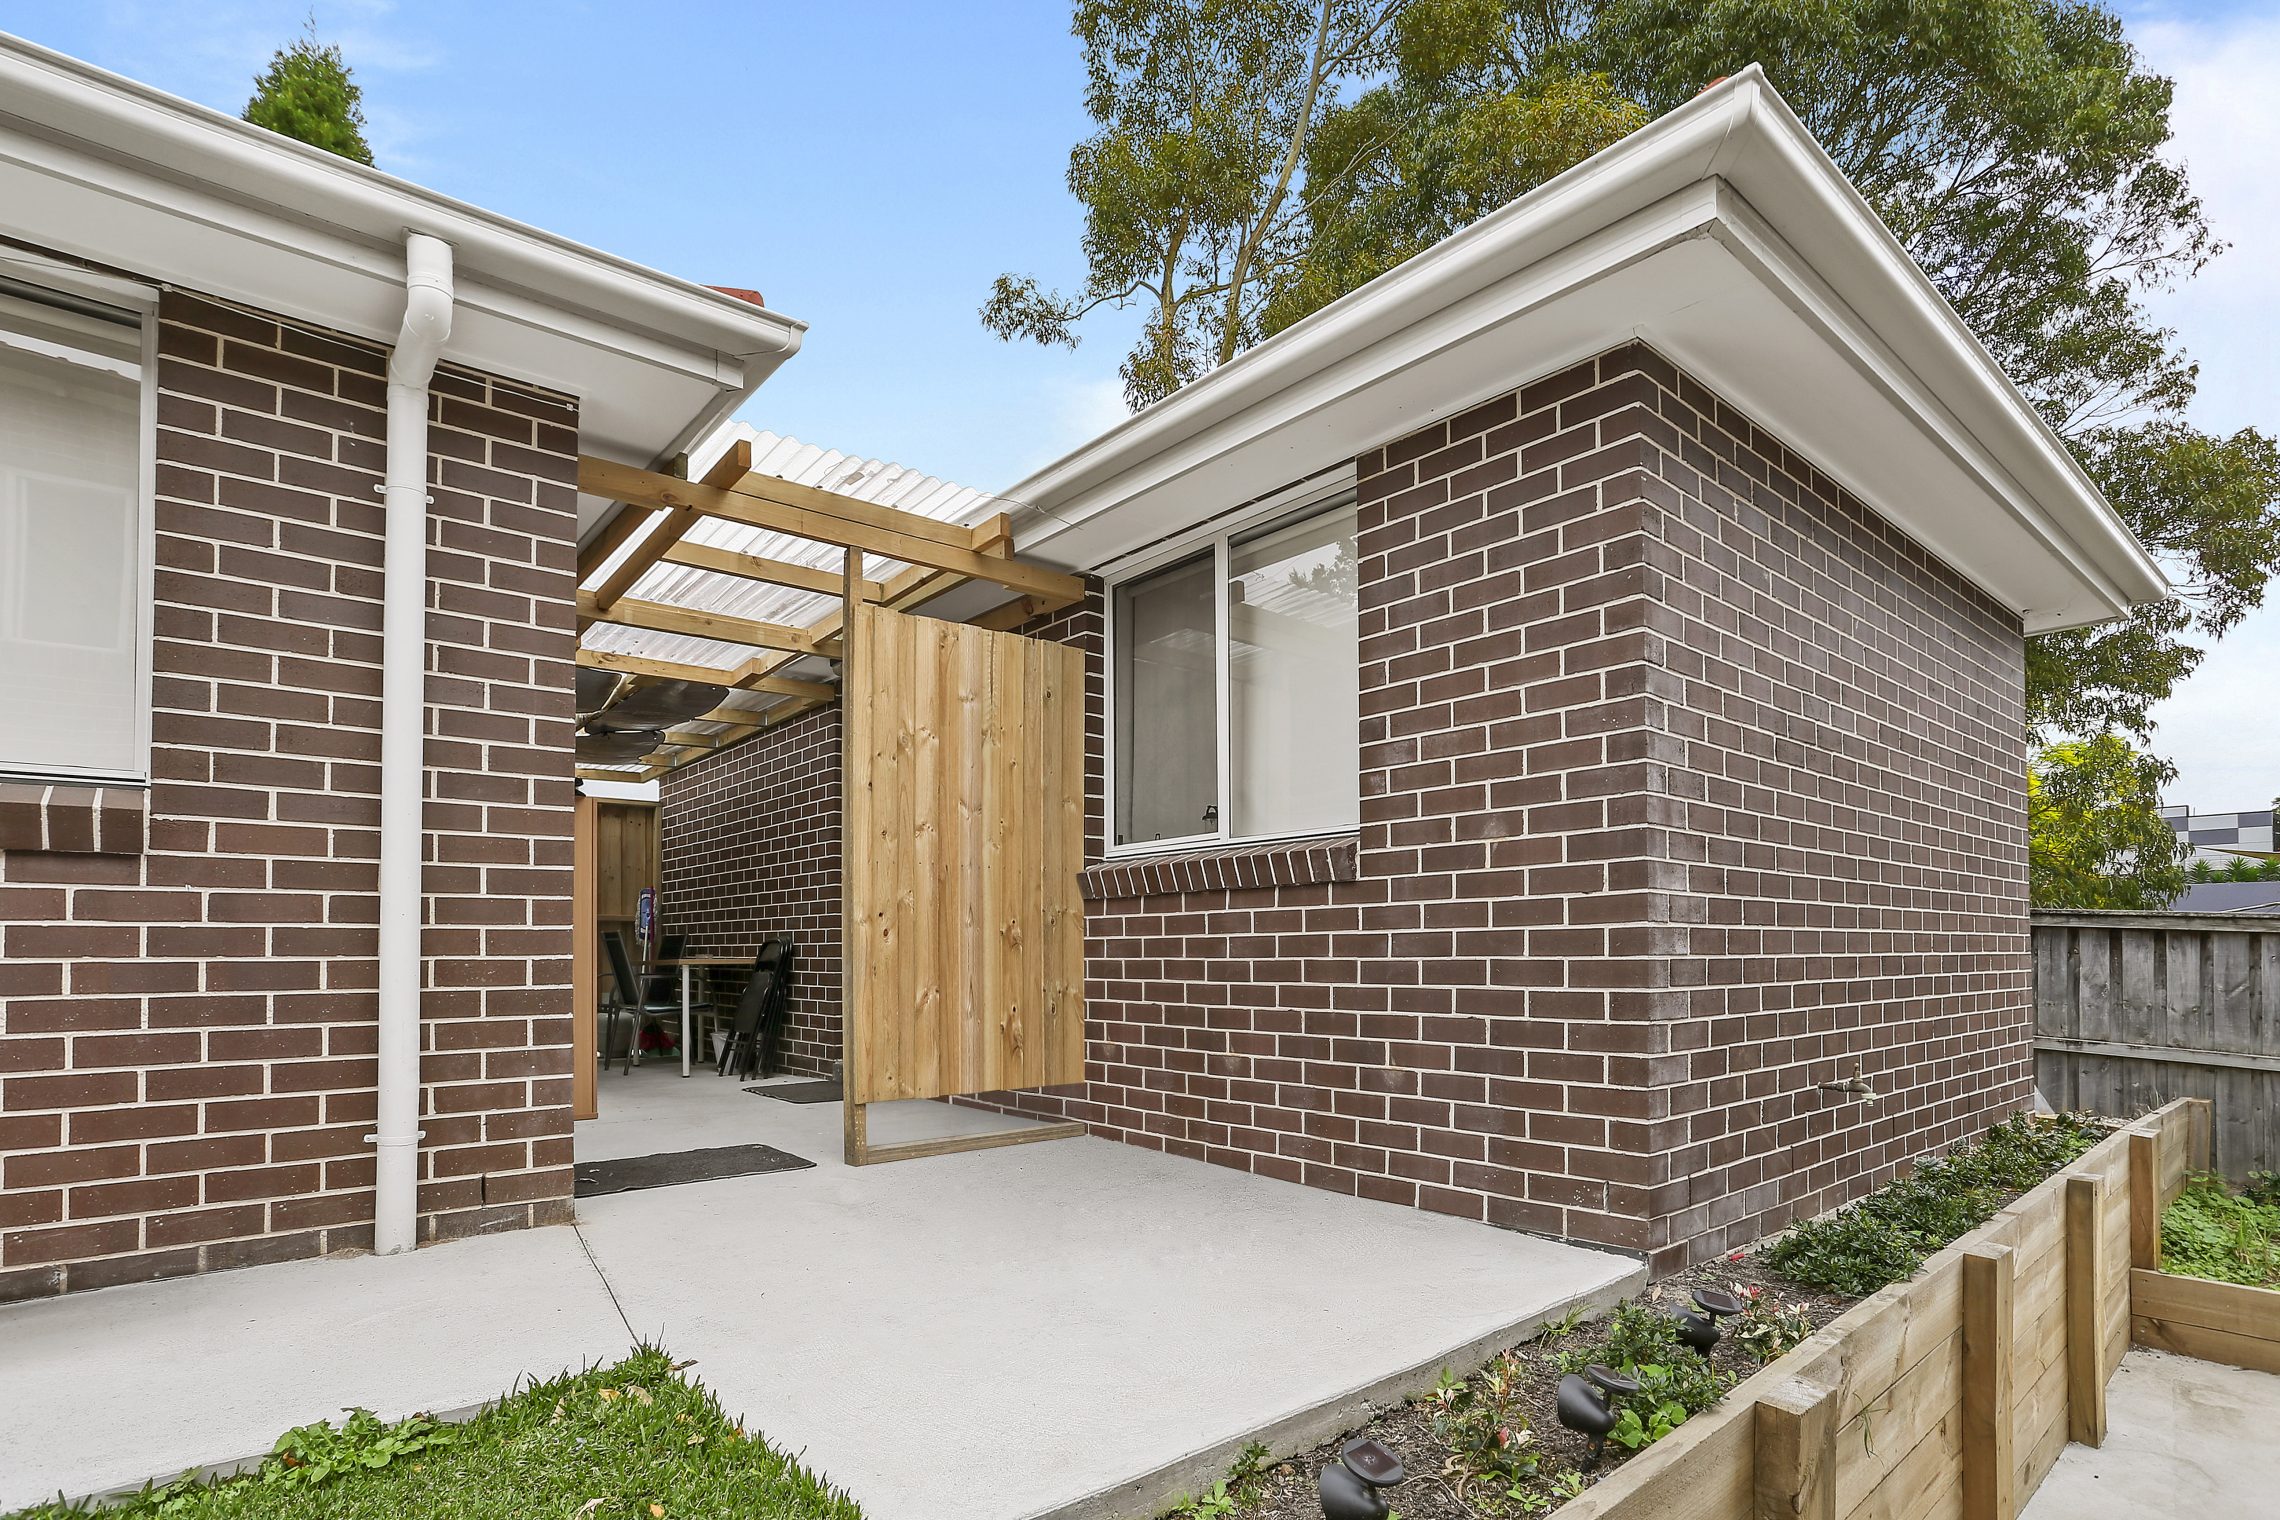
(873, 480)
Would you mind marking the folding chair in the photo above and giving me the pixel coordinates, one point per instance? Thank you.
(760, 1013)
(629, 1000)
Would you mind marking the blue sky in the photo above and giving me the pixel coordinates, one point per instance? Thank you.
(870, 168)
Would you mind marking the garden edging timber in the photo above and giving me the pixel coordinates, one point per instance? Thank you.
(1953, 1403)
(1153, 1492)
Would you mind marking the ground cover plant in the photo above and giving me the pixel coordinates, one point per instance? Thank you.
(635, 1441)
(2212, 1231)
(1489, 1446)
(1886, 1236)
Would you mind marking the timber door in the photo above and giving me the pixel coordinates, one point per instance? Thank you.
(964, 928)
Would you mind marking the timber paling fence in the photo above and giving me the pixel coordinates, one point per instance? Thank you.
(1953, 1393)
(2133, 1010)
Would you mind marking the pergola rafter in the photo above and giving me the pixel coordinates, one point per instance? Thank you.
(938, 556)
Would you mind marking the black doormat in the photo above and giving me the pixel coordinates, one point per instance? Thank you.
(823, 1090)
(634, 1172)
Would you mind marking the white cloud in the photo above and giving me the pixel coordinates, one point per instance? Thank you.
(1080, 410)
(2220, 728)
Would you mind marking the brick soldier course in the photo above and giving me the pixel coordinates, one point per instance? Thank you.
(187, 1007)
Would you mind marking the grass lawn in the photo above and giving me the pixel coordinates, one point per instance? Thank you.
(636, 1441)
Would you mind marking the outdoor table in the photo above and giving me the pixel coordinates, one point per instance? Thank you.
(688, 965)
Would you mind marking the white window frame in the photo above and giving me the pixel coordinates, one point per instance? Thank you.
(37, 276)
(1318, 493)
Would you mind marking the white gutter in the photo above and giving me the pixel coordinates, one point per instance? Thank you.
(1738, 133)
(403, 737)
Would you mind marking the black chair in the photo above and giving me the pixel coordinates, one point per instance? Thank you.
(665, 986)
(628, 1000)
(760, 1013)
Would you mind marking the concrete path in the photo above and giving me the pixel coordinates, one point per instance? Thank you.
(1071, 1328)
(2182, 1438)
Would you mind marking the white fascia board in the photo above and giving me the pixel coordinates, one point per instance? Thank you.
(1733, 166)
(121, 174)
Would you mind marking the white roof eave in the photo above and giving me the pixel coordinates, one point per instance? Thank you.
(112, 171)
(1616, 248)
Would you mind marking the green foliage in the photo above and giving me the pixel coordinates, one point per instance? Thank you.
(2095, 834)
(1484, 1423)
(1405, 166)
(1256, 162)
(312, 1454)
(1675, 1381)
(1886, 1236)
(2210, 1231)
(1557, 1488)
(1244, 1486)
(1203, 110)
(2239, 868)
(606, 1444)
(307, 93)
(1766, 1328)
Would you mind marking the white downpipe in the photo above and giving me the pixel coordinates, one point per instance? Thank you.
(403, 725)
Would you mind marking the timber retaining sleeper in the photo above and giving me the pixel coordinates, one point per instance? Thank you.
(1879, 1392)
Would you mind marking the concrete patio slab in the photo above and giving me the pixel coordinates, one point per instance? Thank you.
(1074, 1328)
(103, 1390)
(2183, 1437)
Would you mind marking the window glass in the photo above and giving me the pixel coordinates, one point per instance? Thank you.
(1167, 679)
(1264, 666)
(70, 511)
(1293, 692)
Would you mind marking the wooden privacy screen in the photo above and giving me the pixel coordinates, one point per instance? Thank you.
(965, 835)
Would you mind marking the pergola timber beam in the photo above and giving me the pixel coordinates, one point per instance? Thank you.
(663, 617)
(743, 727)
(732, 466)
(741, 678)
(596, 551)
(755, 567)
(905, 590)
(780, 506)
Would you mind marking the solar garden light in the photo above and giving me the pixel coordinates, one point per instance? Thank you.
(1586, 1408)
(1701, 1331)
(1350, 1486)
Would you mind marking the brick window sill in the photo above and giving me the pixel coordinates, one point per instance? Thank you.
(61, 818)
(1227, 868)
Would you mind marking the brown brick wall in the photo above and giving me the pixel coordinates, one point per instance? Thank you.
(187, 1031)
(751, 848)
(1687, 783)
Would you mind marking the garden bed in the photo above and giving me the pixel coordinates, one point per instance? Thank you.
(1490, 1446)
(637, 1441)
(2216, 1291)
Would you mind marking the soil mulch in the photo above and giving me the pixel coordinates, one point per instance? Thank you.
(1289, 1492)
(1287, 1489)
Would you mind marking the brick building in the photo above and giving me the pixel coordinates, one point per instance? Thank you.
(1553, 734)
(194, 433)
(1557, 729)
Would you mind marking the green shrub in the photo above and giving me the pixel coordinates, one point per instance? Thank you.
(2213, 1232)
(1675, 1381)
(1485, 1426)
(1886, 1236)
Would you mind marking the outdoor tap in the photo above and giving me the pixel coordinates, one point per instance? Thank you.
(1350, 1486)
(1856, 1086)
